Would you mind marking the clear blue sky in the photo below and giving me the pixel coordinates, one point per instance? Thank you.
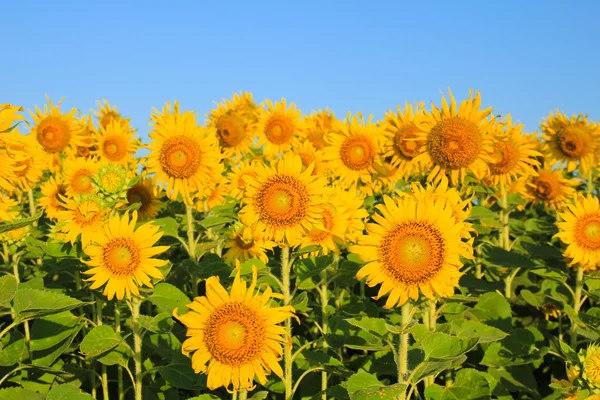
(526, 57)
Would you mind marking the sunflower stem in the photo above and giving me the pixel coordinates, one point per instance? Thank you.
(505, 239)
(324, 300)
(590, 183)
(431, 312)
(402, 362)
(137, 346)
(104, 374)
(32, 208)
(15, 265)
(285, 290)
(576, 305)
(243, 394)
(119, 367)
(191, 245)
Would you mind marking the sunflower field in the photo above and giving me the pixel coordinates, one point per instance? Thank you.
(262, 253)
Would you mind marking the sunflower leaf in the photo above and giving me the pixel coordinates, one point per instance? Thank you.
(8, 289)
(20, 223)
(29, 303)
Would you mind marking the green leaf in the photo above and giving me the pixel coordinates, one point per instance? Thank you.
(47, 357)
(361, 380)
(211, 222)
(119, 355)
(67, 392)
(51, 330)
(29, 303)
(497, 256)
(205, 397)
(551, 273)
(530, 298)
(20, 223)
(12, 348)
(167, 297)
(169, 226)
(308, 249)
(374, 326)
(160, 323)
(427, 368)
(300, 303)
(179, 373)
(474, 329)
(260, 395)
(480, 212)
(392, 392)
(17, 393)
(440, 346)
(469, 384)
(493, 309)
(523, 346)
(99, 340)
(8, 289)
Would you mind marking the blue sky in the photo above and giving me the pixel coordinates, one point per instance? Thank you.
(527, 58)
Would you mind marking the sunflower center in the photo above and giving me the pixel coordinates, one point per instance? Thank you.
(54, 199)
(111, 182)
(587, 231)
(357, 152)
(121, 257)
(180, 156)
(574, 142)
(81, 181)
(244, 242)
(230, 128)
(592, 368)
(546, 187)
(404, 141)
(282, 201)
(454, 143)
(139, 194)
(83, 151)
(235, 334)
(412, 252)
(505, 156)
(53, 134)
(279, 130)
(87, 213)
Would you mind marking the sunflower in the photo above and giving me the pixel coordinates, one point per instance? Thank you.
(122, 257)
(580, 231)
(234, 128)
(514, 156)
(549, 188)
(9, 117)
(9, 159)
(589, 359)
(245, 105)
(353, 153)
(52, 192)
(456, 140)
(108, 114)
(87, 136)
(413, 245)
(77, 174)
(278, 128)
(236, 333)
(237, 177)
(185, 157)
(32, 160)
(83, 215)
(319, 125)
(115, 143)
(283, 200)
(309, 155)
(8, 208)
(145, 193)
(571, 141)
(244, 243)
(401, 129)
(54, 130)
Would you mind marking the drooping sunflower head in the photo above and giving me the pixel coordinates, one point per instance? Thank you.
(354, 151)
(413, 245)
(78, 175)
(83, 215)
(318, 126)
(456, 139)
(144, 192)
(278, 128)
(573, 141)
(108, 114)
(580, 231)
(55, 130)
(514, 156)
(29, 158)
(237, 333)
(185, 157)
(121, 257)
(116, 143)
(244, 243)
(52, 192)
(283, 200)
(402, 144)
(234, 125)
(549, 188)
(590, 365)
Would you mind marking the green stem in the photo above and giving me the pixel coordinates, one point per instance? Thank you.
(119, 367)
(137, 347)
(505, 239)
(191, 245)
(32, 208)
(286, 290)
(576, 305)
(590, 184)
(325, 320)
(15, 263)
(104, 375)
(432, 318)
(402, 362)
(234, 395)
(243, 395)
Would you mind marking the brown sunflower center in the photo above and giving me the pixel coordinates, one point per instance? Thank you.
(231, 130)
(282, 201)
(244, 243)
(121, 257)
(587, 231)
(412, 252)
(235, 334)
(115, 148)
(83, 151)
(546, 187)
(53, 134)
(279, 130)
(506, 157)
(592, 368)
(82, 182)
(454, 143)
(180, 156)
(357, 152)
(319, 235)
(404, 141)
(574, 141)
(139, 194)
